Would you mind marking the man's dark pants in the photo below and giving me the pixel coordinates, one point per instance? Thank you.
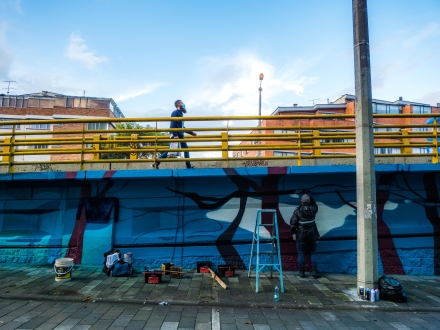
(306, 246)
(183, 145)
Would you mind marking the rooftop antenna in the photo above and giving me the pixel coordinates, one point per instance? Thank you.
(9, 85)
(84, 93)
(313, 100)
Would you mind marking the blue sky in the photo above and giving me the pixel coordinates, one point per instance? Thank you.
(146, 54)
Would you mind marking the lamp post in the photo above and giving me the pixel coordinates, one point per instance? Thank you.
(259, 111)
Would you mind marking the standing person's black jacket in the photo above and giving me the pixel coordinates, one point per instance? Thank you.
(302, 222)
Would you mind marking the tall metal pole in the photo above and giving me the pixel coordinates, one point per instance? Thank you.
(367, 257)
(259, 111)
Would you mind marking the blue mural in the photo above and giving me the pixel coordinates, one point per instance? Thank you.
(209, 214)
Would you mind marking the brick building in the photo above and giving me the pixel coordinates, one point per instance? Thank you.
(343, 105)
(48, 105)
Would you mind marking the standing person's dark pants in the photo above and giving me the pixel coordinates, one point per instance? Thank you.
(307, 246)
(183, 145)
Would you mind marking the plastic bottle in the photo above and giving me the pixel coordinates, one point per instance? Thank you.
(377, 294)
(367, 294)
(373, 295)
(276, 294)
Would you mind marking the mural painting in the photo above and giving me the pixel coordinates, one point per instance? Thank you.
(209, 214)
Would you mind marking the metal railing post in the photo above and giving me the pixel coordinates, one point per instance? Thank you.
(83, 145)
(316, 143)
(134, 146)
(225, 149)
(97, 147)
(405, 142)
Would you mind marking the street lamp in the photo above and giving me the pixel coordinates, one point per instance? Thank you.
(259, 110)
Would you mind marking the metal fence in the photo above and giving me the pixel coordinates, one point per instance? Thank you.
(69, 141)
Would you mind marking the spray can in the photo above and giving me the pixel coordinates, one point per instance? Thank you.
(376, 292)
(367, 293)
(361, 291)
(373, 295)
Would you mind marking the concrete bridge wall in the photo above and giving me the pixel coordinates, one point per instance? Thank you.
(185, 216)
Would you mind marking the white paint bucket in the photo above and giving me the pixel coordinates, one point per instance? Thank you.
(128, 257)
(63, 269)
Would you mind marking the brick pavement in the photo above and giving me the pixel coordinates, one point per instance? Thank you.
(88, 284)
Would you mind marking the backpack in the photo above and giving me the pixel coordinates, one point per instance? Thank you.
(109, 259)
(120, 269)
(390, 289)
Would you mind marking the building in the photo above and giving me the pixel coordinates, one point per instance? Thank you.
(343, 105)
(48, 105)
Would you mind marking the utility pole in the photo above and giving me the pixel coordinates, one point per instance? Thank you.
(367, 258)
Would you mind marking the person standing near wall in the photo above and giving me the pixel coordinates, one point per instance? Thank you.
(305, 233)
(180, 110)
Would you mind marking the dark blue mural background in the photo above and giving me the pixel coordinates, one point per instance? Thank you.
(209, 214)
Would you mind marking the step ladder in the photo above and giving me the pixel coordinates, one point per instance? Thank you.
(274, 242)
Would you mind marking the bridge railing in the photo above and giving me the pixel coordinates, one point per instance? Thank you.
(219, 139)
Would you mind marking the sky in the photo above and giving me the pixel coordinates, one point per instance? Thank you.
(145, 54)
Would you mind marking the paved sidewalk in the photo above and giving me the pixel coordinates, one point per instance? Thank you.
(331, 292)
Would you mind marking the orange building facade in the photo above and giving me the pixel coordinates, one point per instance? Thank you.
(344, 105)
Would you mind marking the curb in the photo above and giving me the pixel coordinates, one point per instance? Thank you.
(89, 299)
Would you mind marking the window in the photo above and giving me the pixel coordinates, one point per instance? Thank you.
(8, 126)
(40, 146)
(420, 129)
(39, 126)
(283, 154)
(386, 151)
(420, 150)
(97, 126)
(421, 109)
(386, 108)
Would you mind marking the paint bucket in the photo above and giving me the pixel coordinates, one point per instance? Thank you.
(63, 269)
(128, 257)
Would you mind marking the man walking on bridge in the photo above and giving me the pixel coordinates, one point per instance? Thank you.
(180, 110)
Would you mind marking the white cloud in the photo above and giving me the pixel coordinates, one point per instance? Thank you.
(430, 30)
(78, 50)
(15, 4)
(138, 92)
(229, 84)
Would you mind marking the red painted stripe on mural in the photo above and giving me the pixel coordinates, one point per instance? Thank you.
(109, 174)
(288, 249)
(390, 258)
(76, 240)
(70, 175)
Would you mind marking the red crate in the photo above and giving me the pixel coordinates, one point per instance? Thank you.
(156, 274)
(153, 279)
(204, 269)
(226, 270)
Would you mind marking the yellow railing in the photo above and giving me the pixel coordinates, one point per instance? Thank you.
(219, 139)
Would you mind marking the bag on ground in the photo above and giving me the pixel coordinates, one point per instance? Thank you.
(110, 258)
(391, 289)
(120, 269)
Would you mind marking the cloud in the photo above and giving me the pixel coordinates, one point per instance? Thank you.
(138, 92)
(430, 30)
(5, 55)
(15, 4)
(432, 98)
(78, 50)
(229, 84)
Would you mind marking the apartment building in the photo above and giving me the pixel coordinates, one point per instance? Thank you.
(343, 105)
(47, 105)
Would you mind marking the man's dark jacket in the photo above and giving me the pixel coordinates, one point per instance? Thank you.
(178, 124)
(302, 222)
